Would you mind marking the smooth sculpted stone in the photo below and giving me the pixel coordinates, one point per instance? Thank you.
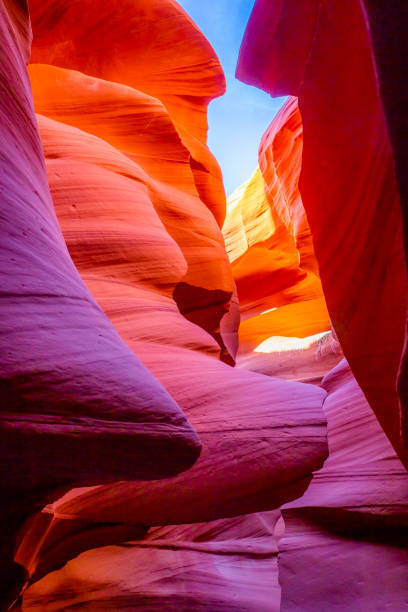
(255, 456)
(159, 123)
(158, 50)
(266, 231)
(137, 234)
(77, 406)
(322, 53)
(222, 565)
(345, 541)
(65, 372)
(388, 24)
(285, 327)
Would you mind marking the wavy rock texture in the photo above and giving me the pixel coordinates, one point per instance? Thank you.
(285, 328)
(388, 25)
(77, 406)
(343, 545)
(140, 202)
(347, 180)
(351, 526)
(266, 231)
(184, 78)
(223, 565)
(138, 196)
(163, 132)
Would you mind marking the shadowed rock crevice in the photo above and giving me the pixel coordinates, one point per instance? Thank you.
(139, 469)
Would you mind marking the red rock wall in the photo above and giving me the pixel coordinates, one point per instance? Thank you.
(388, 25)
(269, 243)
(155, 115)
(224, 565)
(130, 51)
(140, 202)
(322, 53)
(76, 403)
(345, 540)
(137, 194)
(61, 355)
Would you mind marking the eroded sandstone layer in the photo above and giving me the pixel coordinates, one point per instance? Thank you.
(77, 406)
(344, 542)
(140, 201)
(285, 327)
(122, 305)
(322, 53)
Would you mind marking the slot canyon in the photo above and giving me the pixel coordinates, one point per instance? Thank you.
(204, 400)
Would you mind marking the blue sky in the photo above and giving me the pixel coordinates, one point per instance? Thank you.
(238, 119)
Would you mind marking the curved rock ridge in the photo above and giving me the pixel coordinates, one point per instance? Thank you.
(141, 119)
(111, 212)
(267, 236)
(121, 100)
(124, 153)
(388, 25)
(133, 285)
(280, 161)
(222, 565)
(20, 28)
(351, 526)
(77, 406)
(254, 457)
(347, 181)
(175, 64)
(285, 328)
(352, 523)
(58, 345)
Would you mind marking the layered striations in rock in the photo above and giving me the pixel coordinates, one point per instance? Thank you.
(347, 183)
(351, 526)
(121, 313)
(285, 327)
(139, 199)
(223, 565)
(344, 541)
(77, 406)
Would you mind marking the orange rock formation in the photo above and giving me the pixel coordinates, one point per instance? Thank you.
(269, 243)
(140, 201)
(322, 54)
(121, 304)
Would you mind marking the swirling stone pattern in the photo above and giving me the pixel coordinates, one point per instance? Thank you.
(140, 201)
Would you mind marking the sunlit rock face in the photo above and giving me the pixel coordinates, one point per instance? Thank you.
(140, 202)
(285, 327)
(345, 542)
(77, 406)
(151, 105)
(353, 518)
(134, 267)
(322, 53)
(146, 57)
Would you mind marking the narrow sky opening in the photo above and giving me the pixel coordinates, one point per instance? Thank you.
(238, 119)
